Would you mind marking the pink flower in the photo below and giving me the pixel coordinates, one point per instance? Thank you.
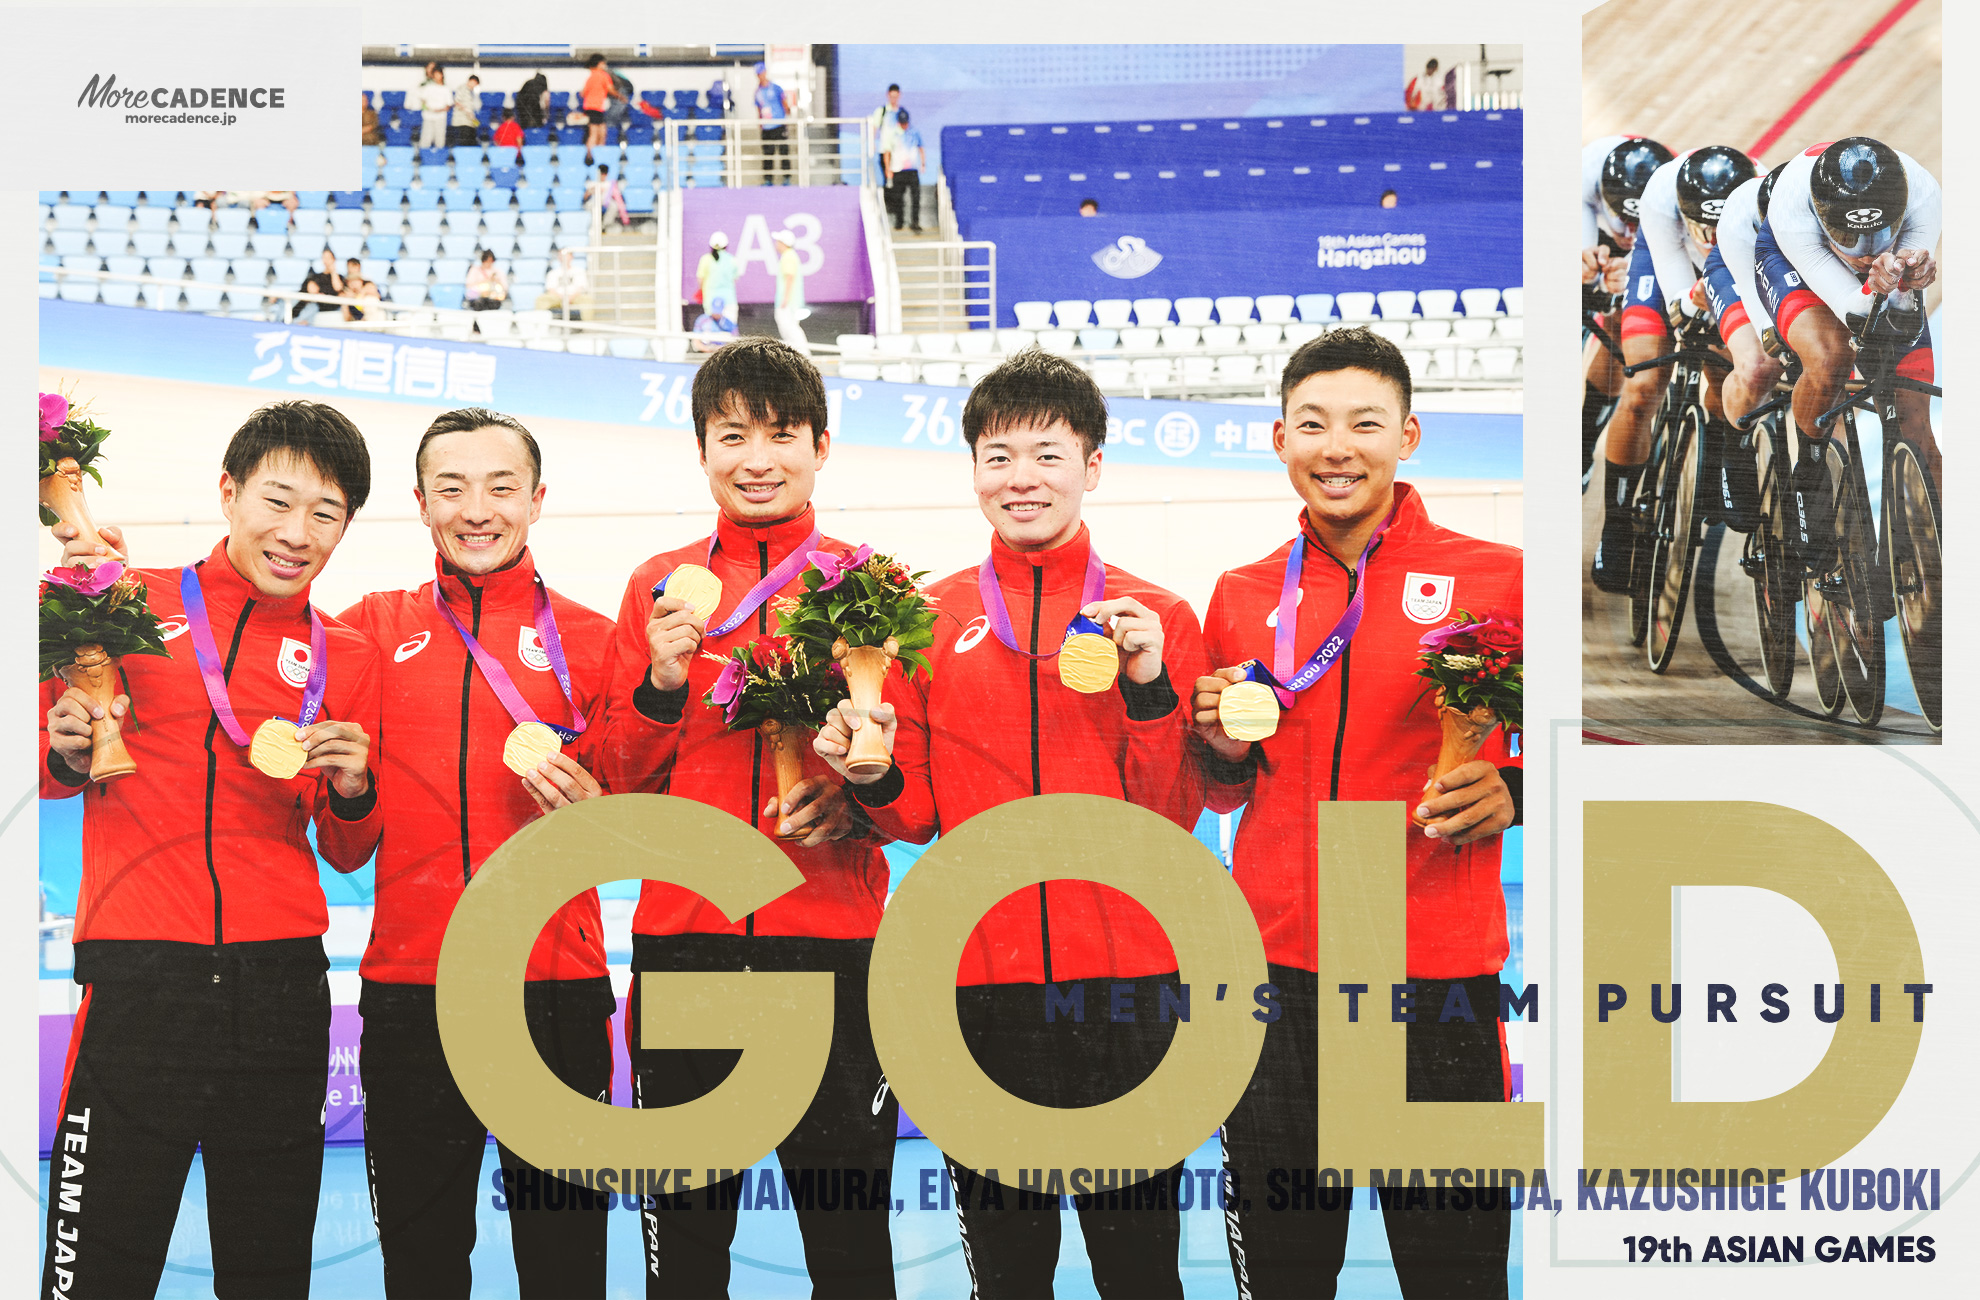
(1460, 638)
(54, 414)
(728, 689)
(836, 567)
(79, 577)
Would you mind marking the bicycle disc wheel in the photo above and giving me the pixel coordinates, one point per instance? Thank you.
(1672, 538)
(1774, 587)
(1858, 620)
(1915, 575)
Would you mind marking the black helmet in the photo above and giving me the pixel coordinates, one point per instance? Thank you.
(1706, 178)
(1767, 188)
(1627, 170)
(1858, 188)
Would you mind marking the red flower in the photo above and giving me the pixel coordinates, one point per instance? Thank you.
(765, 653)
(1500, 633)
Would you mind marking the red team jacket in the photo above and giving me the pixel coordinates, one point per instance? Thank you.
(993, 726)
(697, 757)
(1365, 731)
(199, 846)
(446, 799)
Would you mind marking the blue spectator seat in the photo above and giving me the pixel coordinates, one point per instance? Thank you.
(122, 198)
(532, 268)
(458, 243)
(150, 243)
(123, 264)
(457, 202)
(350, 221)
(466, 153)
(399, 137)
(82, 262)
(536, 155)
(657, 98)
(232, 219)
(505, 178)
(307, 246)
(571, 239)
(532, 198)
(228, 243)
(639, 171)
(430, 156)
(447, 295)
(51, 197)
(533, 245)
(375, 269)
(493, 99)
(393, 100)
(209, 270)
(112, 216)
(501, 155)
(76, 289)
(272, 218)
(387, 196)
(567, 197)
(639, 135)
(71, 216)
(312, 221)
(709, 133)
(119, 293)
(538, 223)
(470, 175)
(348, 198)
(570, 135)
(168, 268)
(536, 137)
(346, 247)
(451, 270)
(290, 271)
(399, 155)
(370, 166)
(250, 270)
(560, 103)
(687, 99)
(433, 175)
(412, 270)
(424, 221)
(203, 297)
(398, 176)
(71, 243)
(311, 200)
(502, 245)
(153, 217)
(501, 221)
(421, 245)
(423, 199)
(385, 246)
(640, 198)
(263, 244)
(367, 100)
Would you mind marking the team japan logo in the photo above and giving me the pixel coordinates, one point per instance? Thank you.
(293, 661)
(1864, 216)
(530, 647)
(1427, 596)
(1127, 258)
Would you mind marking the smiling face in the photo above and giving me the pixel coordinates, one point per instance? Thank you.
(1030, 480)
(284, 519)
(478, 496)
(1341, 440)
(760, 471)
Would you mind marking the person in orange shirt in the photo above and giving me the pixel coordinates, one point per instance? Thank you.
(597, 89)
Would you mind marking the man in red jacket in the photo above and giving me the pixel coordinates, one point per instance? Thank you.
(760, 419)
(1370, 569)
(961, 744)
(483, 652)
(205, 1015)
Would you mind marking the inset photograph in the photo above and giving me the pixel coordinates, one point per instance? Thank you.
(1760, 409)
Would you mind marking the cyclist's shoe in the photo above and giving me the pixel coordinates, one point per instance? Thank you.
(1615, 553)
(1812, 528)
(1736, 480)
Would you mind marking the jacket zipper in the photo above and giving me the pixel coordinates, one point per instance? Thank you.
(756, 741)
(1037, 783)
(467, 681)
(213, 768)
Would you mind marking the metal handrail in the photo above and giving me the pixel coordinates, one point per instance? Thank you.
(745, 153)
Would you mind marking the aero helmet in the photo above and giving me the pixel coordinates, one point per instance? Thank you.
(1626, 171)
(1767, 188)
(1706, 178)
(1859, 192)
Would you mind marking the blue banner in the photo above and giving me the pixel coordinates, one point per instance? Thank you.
(1291, 250)
(287, 361)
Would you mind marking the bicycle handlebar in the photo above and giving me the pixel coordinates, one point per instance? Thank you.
(1693, 355)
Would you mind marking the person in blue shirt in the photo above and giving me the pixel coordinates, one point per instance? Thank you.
(773, 110)
(714, 327)
(904, 172)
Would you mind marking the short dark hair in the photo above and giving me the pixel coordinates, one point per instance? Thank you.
(893, 86)
(508, 114)
(766, 377)
(1430, 66)
(1034, 387)
(1346, 349)
(467, 420)
(319, 434)
(597, 59)
(1090, 203)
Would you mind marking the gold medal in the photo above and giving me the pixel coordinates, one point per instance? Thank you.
(1088, 662)
(275, 750)
(1248, 711)
(699, 587)
(528, 745)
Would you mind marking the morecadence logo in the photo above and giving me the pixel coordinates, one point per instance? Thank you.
(105, 93)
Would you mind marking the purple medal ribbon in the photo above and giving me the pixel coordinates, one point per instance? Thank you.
(1286, 683)
(498, 677)
(1000, 615)
(792, 565)
(210, 673)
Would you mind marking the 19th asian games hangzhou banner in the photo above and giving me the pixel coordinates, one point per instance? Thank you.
(1279, 250)
(292, 361)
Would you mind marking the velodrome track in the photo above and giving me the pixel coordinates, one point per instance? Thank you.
(619, 493)
(1771, 60)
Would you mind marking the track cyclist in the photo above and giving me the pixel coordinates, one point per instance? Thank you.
(1614, 171)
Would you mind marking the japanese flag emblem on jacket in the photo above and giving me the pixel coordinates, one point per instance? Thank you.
(293, 661)
(530, 647)
(1427, 596)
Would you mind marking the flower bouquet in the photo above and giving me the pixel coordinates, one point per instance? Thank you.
(866, 610)
(1474, 665)
(70, 445)
(89, 619)
(783, 691)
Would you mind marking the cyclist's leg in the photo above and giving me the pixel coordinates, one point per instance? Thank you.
(1602, 381)
(1915, 409)
(1827, 358)
(1628, 450)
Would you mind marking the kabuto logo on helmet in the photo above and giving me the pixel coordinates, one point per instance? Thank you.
(1713, 207)
(1867, 218)
(1630, 207)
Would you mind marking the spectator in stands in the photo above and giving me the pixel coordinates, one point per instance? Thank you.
(209, 198)
(466, 131)
(1388, 198)
(1089, 207)
(487, 289)
(324, 280)
(256, 200)
(434, 101)
(773, 111)
(789, 310)
(366, 292)
(1423, 93)
(884, 127)
(904, 172)
(533, 101)
(431, 73)
(565, 289)
(715, 274)
(618, 104)
(714, 327)
(607, 193)
(596, 94)
(510, 132)
(372, 132)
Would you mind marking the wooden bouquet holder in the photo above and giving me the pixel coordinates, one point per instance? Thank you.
(785, 740)
(866, 675)
(94, 673)
(1464, 735)
(62, 493)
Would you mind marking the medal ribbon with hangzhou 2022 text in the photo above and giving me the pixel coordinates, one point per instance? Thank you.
(1083, 666)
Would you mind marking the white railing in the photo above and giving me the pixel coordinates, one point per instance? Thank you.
(813, 152)
(963, 294)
